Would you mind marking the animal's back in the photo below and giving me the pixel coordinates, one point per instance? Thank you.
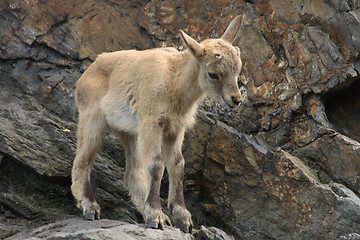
(94, 83)
(137, 76)
(119, 83)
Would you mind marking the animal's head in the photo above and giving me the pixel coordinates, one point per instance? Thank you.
(220, 64)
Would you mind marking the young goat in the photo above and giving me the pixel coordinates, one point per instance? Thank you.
(148, 99)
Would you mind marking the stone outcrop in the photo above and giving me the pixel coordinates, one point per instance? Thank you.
(75, 228)
(284, 165)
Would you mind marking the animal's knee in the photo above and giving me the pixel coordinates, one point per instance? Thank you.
(179, 161)
(156, 168)
(178, 166)
(83, 161)
(78, 171)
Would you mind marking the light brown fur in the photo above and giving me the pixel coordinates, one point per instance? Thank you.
(149, 98)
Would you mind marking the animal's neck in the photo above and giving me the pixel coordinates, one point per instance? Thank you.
(188, 84)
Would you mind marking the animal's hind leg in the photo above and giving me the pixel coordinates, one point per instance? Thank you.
(91, 129)
(175, 166)
(135, 178)
(128, 142)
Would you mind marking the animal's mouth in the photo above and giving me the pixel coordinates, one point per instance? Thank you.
(227, 103)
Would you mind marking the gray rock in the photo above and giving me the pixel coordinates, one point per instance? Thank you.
(211, 233)
(80, 229)
(351, 236)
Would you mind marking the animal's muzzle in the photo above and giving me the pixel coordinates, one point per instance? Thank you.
(236, 99)
(233, 100)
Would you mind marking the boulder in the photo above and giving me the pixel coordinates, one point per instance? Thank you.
(75, 228)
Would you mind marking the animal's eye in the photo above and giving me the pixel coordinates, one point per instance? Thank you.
(213, 76)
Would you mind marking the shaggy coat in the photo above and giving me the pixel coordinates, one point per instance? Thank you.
(148, 99)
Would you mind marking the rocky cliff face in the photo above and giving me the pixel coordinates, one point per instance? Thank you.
(284, 165)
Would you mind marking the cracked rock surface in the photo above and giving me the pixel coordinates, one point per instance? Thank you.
(283, 165)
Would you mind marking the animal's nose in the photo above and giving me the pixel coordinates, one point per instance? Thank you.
(236, 99)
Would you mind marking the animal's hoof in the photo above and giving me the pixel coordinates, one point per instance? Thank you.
(186, 228)
(182, 218)
(91, 216)
(154, 225)
(156, 219)
(159, 225)
(168, 222)
(91, 210)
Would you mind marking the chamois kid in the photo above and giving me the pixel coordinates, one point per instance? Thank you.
(148, 99)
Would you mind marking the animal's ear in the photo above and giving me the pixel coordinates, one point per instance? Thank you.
(196, 49)
(232, 30)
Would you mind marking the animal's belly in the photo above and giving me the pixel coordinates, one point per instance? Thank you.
(120, 117)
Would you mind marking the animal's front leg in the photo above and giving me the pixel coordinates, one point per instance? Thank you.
(176, 202)
(154, 216)
(149, 147)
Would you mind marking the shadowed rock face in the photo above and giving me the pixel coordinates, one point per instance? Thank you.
(343, 111)
(284, 165)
